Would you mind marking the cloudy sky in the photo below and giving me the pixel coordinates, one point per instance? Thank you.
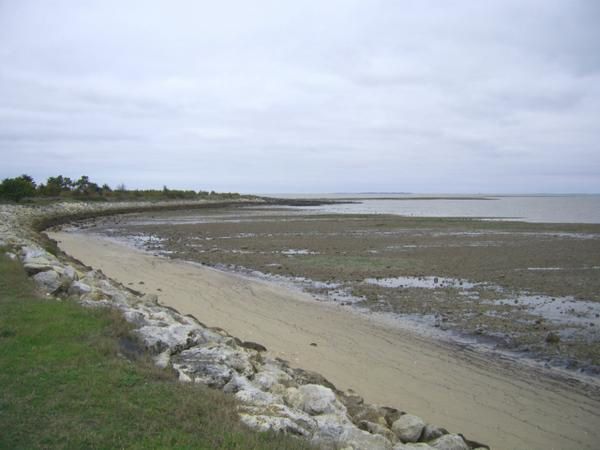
(304, 96)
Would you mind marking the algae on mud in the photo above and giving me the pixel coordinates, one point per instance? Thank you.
(510, 283)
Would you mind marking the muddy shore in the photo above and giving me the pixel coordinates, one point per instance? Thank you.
(505, 405)
(531, 289)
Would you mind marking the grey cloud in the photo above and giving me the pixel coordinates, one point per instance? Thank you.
(306, 96)
(60, 136)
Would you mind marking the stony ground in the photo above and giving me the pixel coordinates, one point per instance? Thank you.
(521, 286)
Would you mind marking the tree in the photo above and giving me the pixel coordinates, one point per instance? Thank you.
(82, 184)
(17, 188)
(85, 187)
(53, 186)
(66, 184)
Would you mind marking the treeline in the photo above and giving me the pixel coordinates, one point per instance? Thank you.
(24, 188)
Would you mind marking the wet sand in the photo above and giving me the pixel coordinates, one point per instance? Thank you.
(489, 400)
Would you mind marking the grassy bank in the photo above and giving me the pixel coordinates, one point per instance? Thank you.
(65, 384)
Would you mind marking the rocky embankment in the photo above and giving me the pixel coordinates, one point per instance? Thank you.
(272, 395)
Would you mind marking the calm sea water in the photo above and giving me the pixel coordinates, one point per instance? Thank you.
(529, 208)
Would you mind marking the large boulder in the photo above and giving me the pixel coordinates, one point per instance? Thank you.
(172, 337)
(248, 393)
(118, 297)
(358, 440)
(431, 432)
(70, 273)
(337, 431)
(269, 375)
(450, 442)
(408, 428)
(412, 446)
(275, 424)
(314, 399)
(213, 365)
(329, 431)
(36, 259)
(49, 281)
(79, 288)
(277, 417)
(377, 428)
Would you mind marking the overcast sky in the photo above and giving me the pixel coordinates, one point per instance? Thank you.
(304, 96)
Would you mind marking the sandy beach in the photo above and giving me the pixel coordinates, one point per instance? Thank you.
(489, 400)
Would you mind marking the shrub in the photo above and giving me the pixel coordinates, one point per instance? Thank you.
(18, 188)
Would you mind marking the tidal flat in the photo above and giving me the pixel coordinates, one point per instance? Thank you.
(532, 289)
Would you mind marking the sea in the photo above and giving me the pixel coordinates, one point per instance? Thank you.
(572, 208)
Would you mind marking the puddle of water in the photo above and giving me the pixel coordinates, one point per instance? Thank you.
(298, 251)
(429, 282)
(560, 310)
(559, 268)
(245, 235)
(145, 239)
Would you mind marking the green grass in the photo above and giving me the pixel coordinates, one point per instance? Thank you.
(64, 385)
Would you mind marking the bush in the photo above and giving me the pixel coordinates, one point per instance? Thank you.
(18, 188)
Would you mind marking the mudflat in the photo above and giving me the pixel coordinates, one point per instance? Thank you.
(504, 404)
(527, 288)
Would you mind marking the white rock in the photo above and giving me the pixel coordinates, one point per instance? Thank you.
(431, 432)
(33, 268)
(116, 295)
(270, 375)
(337, 431)
(275, 424)
(49, 281)
(246, 392)
(449, 442)
(213, 365)
(135, 317)
(409, 446)
(314, 399)
(91, 277)
(302, 421)
(173, 337)
(236, 383)
(330, 428)
(32, 253)
(376, 428)
(89, 303)
(79, 288)
(183, 377)
(408, 428)
(163, 359)
(70, 273)
(254, 396)
(36, 259)
(359, 439)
